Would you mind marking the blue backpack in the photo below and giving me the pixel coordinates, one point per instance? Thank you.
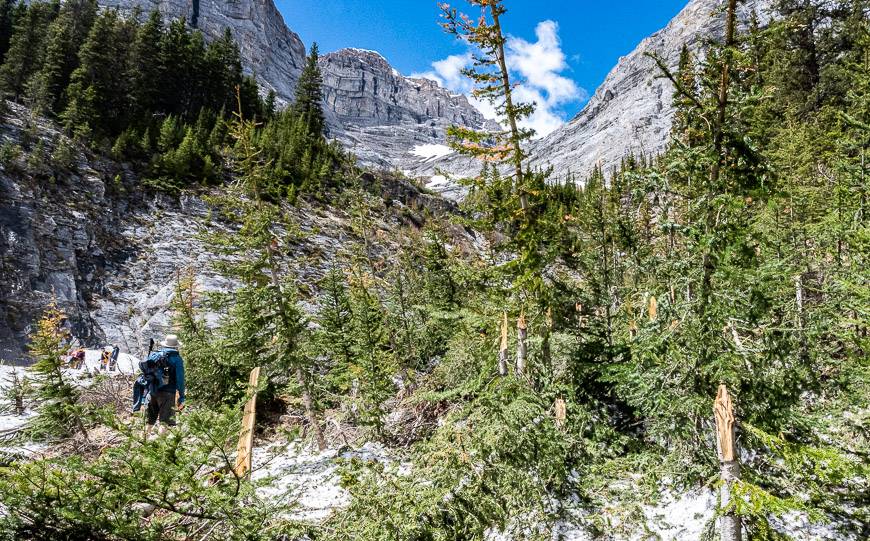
(155, 374)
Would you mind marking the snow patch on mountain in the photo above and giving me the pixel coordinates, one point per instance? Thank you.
(431, 151)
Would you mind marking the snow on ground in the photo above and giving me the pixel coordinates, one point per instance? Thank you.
(127, 365)
(431, 151)
(676, 517)
(311, 477)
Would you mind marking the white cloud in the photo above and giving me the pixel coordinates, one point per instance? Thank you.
(536, 66)
(448, 72)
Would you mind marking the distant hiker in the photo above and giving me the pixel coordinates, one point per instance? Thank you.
(77, 358)
(113, 360)
(166, 378)
(104, 359)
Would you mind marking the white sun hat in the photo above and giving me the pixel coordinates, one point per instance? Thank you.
(171, 341)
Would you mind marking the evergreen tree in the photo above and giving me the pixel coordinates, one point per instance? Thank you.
(178, 68)
(265, 322)
(223, 66)
(26, 47)
(65, 35)
(333, 338)
(182, 482)
(96, 93)
(309, 96)
(10, 10)
(374, 362)
(61, 412)
(146, 69)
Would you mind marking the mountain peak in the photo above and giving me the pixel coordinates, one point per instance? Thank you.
(631, 112)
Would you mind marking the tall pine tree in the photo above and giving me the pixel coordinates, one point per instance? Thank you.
(309, 96)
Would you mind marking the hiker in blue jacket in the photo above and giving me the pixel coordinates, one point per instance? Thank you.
(162, 405)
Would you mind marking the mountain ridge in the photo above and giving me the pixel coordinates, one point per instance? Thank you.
(630, 113)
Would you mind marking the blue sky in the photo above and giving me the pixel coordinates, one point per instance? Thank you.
(572, 52)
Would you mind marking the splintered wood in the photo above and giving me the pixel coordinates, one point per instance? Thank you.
(653, 310)
(246, 438)
(724, 411)
(521, 344)
(561, 413)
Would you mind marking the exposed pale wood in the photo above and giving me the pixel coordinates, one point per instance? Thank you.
(723, 409)
(503, 348)
(246, 437)
(522, 333)
(561, 412)
(653, 309)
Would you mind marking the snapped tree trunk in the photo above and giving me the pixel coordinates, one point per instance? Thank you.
(503, 348)
(729, 466)
(522, 333)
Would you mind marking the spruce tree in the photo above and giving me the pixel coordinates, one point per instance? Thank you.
(96, 94)
(179, 68)
(374, 360)
(10, 10)
(65, 35)
(61, 412)
(493, 83)
(26, 47)
(265, 322)
(334, 336)
(309, 96)
(146, 68)
(223, 67)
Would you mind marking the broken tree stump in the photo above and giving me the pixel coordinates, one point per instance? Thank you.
(522, 333)
(561, 412)
(246, 437)
(729, 466)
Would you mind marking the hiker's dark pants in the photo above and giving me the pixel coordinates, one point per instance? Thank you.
(161, 406)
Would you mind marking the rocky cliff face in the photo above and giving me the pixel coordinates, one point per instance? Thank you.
(631, 112)
(269, 50)
(383, 116)
(90, 238)
(372, 109)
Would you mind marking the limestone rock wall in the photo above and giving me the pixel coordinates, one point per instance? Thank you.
(631, 112)
(269, 50)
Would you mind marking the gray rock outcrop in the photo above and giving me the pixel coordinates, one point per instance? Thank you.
(632, 112)
(383, 116)
(270, 51)
(90, 238)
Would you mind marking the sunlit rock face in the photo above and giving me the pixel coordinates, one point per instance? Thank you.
(269, 50)
(632, 111)
(383, 116)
